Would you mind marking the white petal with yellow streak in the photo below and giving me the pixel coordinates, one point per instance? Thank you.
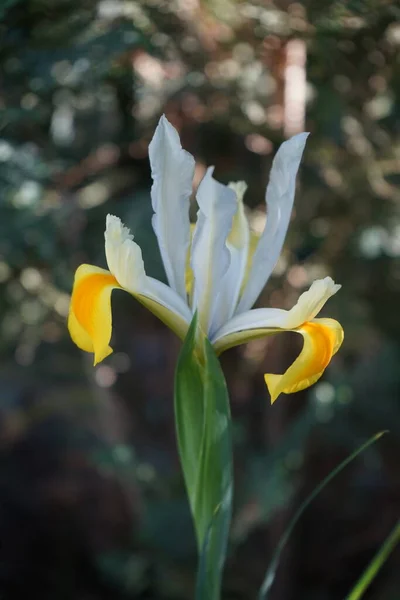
(243, 327)
(238, 247)
(210, 256)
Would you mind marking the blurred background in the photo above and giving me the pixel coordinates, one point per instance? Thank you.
(92, 503)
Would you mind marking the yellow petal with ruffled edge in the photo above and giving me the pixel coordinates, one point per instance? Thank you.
(90, 317)
(322, 339)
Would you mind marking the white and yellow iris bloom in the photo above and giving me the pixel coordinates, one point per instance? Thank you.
(215, 271)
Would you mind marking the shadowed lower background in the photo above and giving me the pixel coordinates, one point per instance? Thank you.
(92, 503)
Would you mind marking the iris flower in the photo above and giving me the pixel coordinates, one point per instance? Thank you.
(212, 268)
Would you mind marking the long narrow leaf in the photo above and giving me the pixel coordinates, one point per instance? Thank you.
(376, 563)
(203, 426)
(189, 410)
(215, 469)
(271, 571)
(214, 485)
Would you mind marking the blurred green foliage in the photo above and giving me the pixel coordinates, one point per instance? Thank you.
(92, 500)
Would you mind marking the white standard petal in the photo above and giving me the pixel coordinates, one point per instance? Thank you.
(124, 259)
(172, 169)
(307, 307)
(238, 246)
(210, 256)
(279, 201)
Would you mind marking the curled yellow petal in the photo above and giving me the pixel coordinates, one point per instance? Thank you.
(90, 317)
(322, 339)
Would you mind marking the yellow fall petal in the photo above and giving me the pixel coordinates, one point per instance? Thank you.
(90, 317)
(322, 339)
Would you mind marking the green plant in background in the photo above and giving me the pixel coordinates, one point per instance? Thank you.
(376, 563)
(214, 278)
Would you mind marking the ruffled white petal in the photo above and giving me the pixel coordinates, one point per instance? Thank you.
(172, 169)
(210, 257)
(124, 259)
(279, 200)
(310, 302)
(124, 256)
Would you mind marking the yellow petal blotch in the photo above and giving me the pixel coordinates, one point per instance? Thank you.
(322, 339)
(90, 317)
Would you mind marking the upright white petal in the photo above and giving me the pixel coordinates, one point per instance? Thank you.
(172, 169)
(238, 246)
(279, 200)
(124, 259)
(210, 256)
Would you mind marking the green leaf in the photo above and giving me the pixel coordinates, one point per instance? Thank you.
(376, 563)
(189, 391)
(271, 571)
(214, 485)
(203, 426)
